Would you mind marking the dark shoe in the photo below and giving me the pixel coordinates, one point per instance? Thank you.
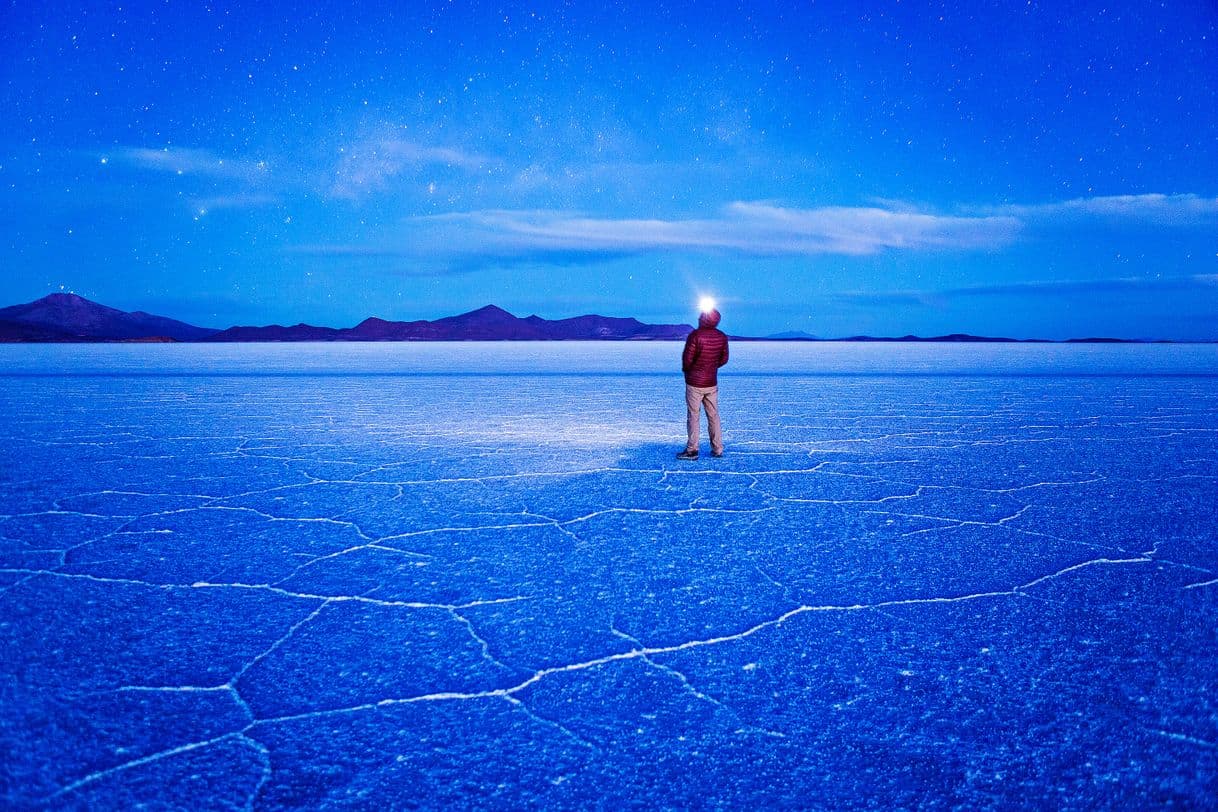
(687, 455)
(716, 453)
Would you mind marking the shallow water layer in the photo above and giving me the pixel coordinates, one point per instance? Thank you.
(606, 358)
(475, 575)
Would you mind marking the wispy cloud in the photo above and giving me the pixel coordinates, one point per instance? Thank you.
(1085, 286)
(858, 230)
(186, 161)
(429, 255)
(463, 242)
(370, 166)
(1056, 287)
(1160, 209)
(235, 201)
(757, 229)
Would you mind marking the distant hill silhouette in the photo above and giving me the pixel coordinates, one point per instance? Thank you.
(64, 317)
(488, 323)
(68, 317)
(275, 332)
(947, 339)
(793, 335)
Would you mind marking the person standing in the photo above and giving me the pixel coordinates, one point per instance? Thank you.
(705, 351)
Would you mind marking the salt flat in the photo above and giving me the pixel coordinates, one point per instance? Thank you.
(475, 576)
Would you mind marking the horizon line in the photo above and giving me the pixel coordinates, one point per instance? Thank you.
(782, 335)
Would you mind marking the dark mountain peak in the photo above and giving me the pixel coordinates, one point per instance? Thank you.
(490, 314)
(78, 318)
(58, 305)
(69, 299)
(490, 310)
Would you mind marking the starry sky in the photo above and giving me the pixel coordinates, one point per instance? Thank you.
(1027, 169)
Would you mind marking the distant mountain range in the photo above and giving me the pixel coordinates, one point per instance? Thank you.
(488, 323)
(66, 317)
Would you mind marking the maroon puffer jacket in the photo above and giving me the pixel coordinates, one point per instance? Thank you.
(705, 352)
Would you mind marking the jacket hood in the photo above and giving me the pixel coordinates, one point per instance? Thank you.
(709, 319)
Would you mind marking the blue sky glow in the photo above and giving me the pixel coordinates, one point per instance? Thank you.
(1002, 168)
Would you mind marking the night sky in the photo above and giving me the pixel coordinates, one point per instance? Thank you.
(1000, 168)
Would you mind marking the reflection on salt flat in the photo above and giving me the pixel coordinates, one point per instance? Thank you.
(607, 358)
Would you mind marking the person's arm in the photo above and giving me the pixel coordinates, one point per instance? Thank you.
(723, 355)
(690, 354)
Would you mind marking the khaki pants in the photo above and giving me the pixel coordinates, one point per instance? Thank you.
(696, 399)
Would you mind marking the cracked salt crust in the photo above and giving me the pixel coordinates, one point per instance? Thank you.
(492, 540)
